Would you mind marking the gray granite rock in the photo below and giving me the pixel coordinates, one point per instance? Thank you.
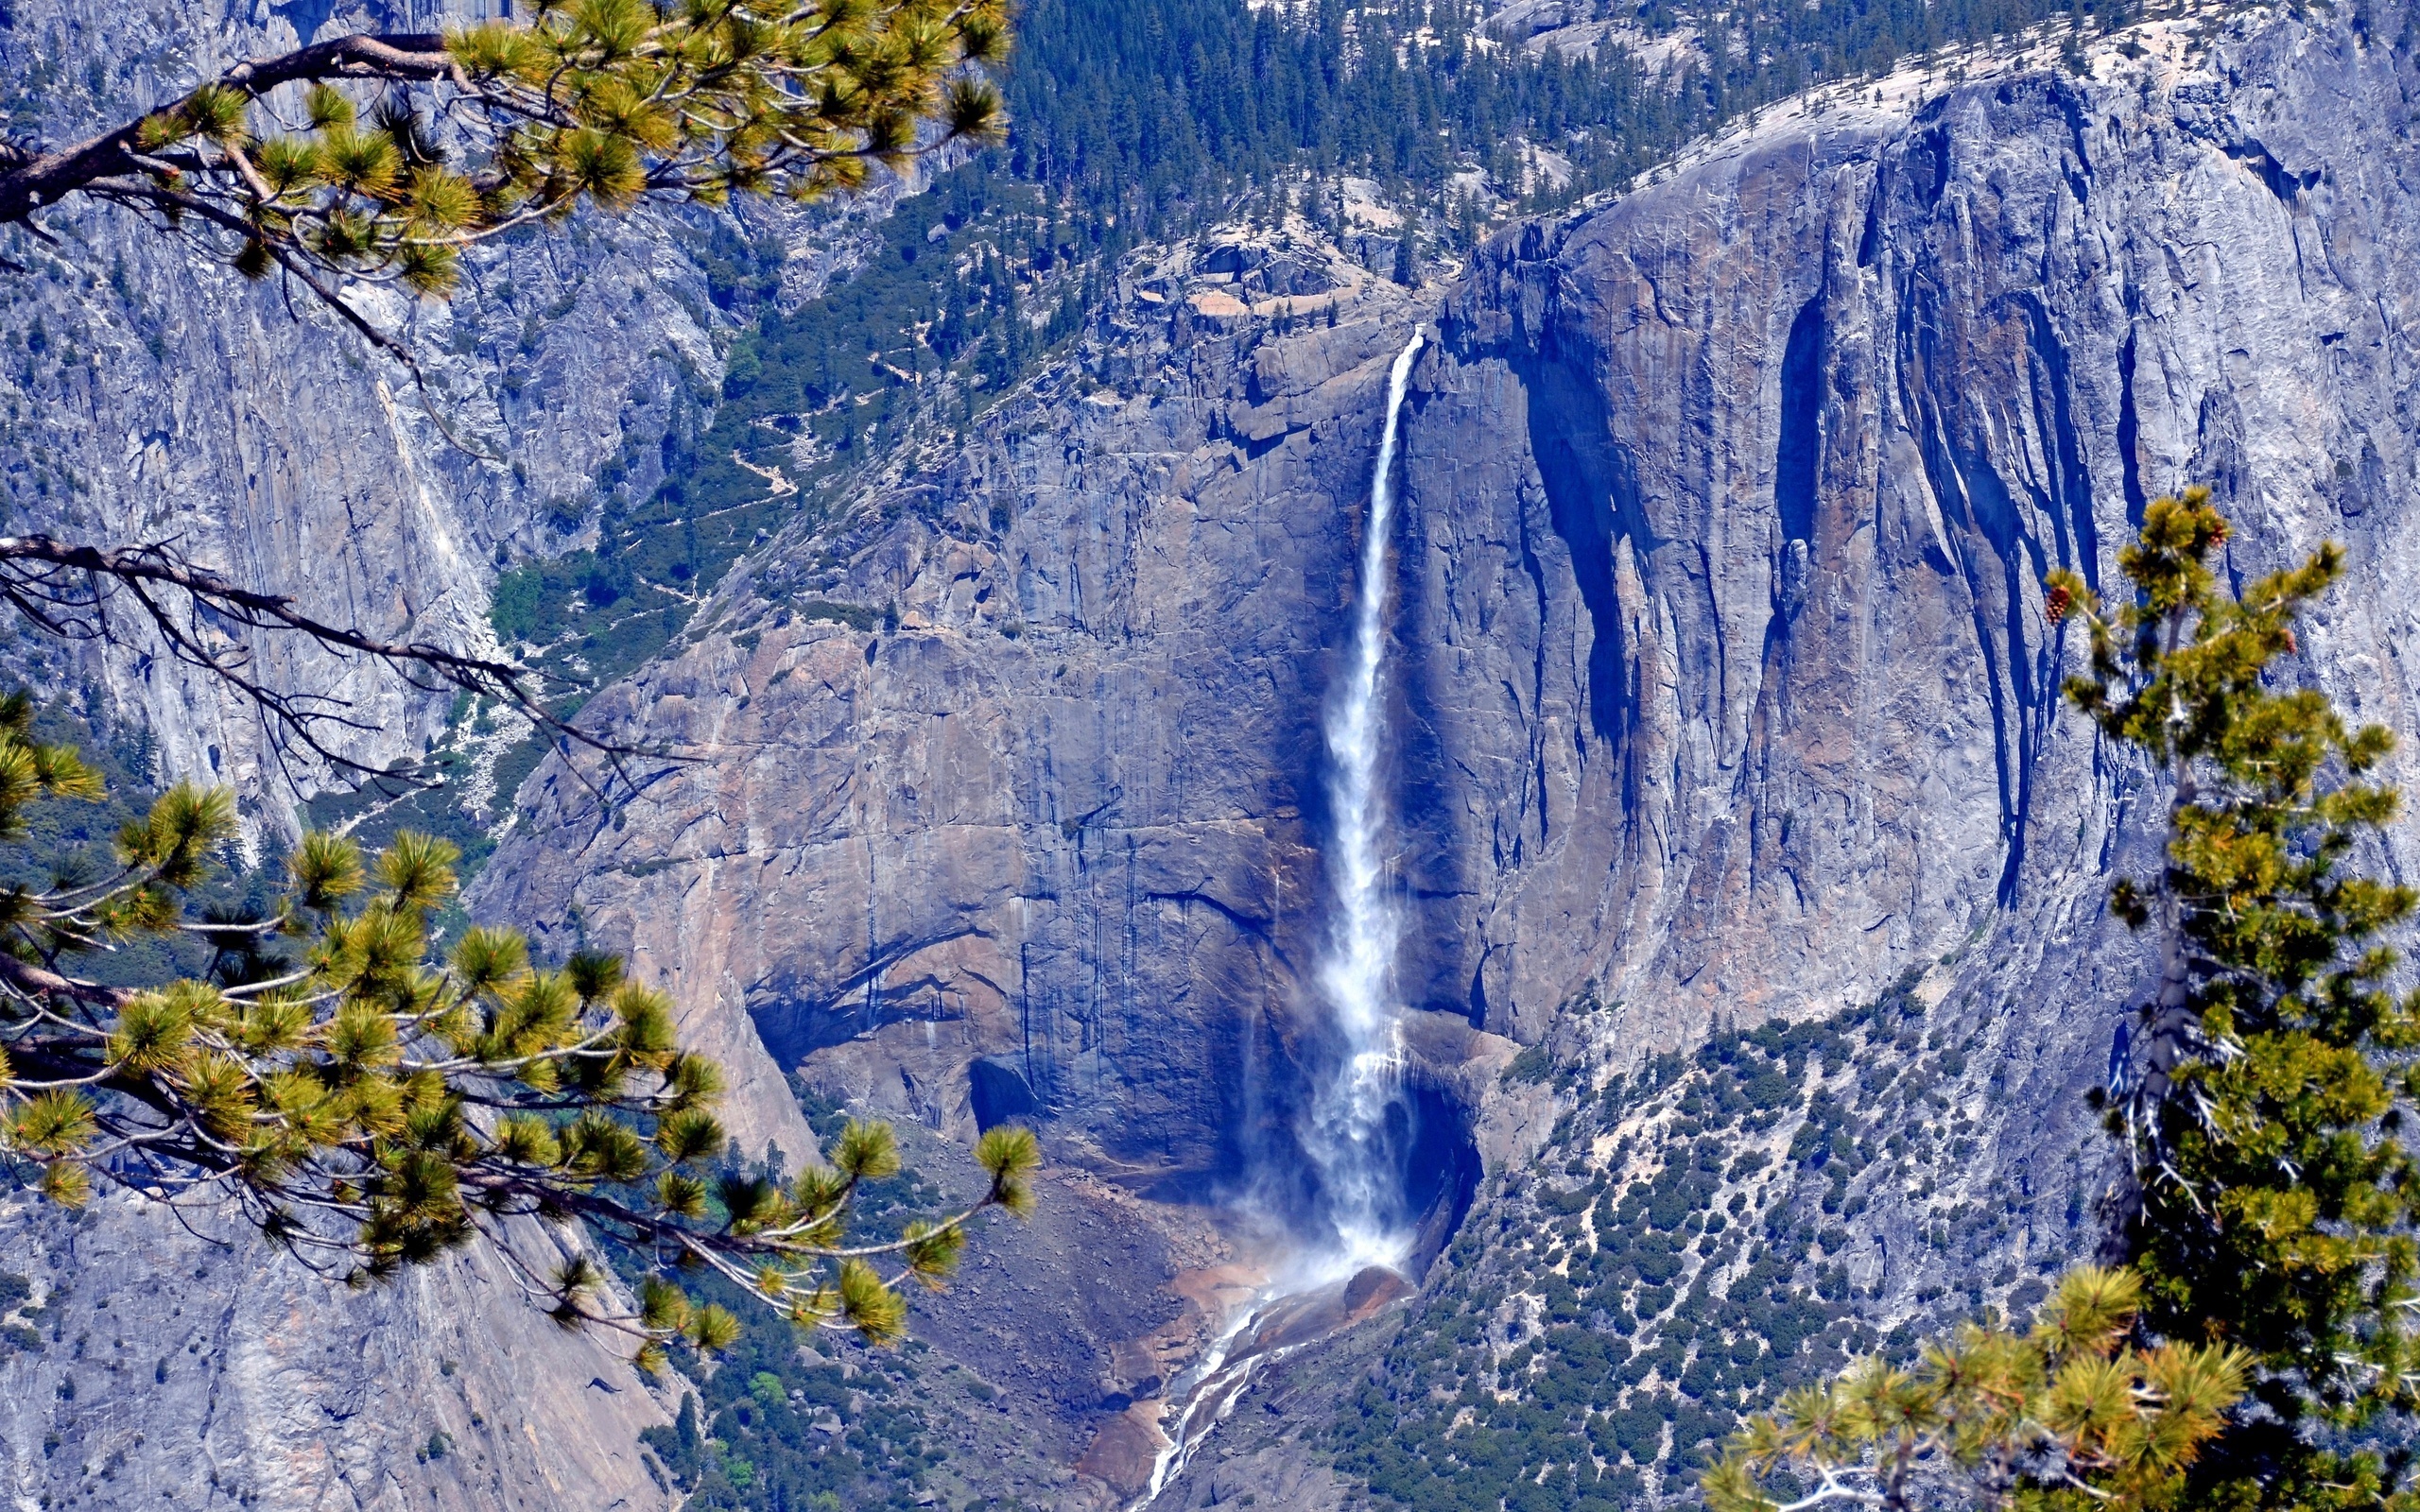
(1792, 437)
(181, 1365)
(1727, 682)
(1063, 818)
(1719, 675)
(1720, 679)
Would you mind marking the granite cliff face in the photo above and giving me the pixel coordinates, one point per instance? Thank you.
(1719, 687)
(1719, 673)
(1052, 842)
(1720, 679)
(186, 1367)
(1821, 409)
(1812, 418)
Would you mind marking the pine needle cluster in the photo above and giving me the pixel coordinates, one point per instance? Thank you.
(381, 158)
(2067, 1415)
(370, 1102)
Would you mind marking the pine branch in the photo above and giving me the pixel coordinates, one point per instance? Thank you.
(32, 183)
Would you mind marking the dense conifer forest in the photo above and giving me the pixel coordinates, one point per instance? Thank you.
(1164, 109)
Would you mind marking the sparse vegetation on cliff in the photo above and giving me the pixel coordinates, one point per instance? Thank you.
(1698, 1238)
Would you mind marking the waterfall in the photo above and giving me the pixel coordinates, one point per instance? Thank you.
(1347, 1133)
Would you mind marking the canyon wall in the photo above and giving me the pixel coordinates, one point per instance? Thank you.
(1811, 419)
(1727, 680)
(1062, 823)
(1719, 674)
(1719, 683)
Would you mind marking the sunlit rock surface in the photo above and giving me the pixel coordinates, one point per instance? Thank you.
(1719, 686)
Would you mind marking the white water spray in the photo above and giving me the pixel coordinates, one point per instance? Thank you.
(1347, 1130)
(1347, 1136)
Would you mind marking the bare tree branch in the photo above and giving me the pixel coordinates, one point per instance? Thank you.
(66, 590)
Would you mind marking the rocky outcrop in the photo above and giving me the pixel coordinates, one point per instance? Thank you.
(1052, 842)
(1809, 421)
(1732, 499)
(179, 1363)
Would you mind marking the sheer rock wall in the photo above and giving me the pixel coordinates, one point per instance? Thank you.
(1720, 679)
(1719, 676)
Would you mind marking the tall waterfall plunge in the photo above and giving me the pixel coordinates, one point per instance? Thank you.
(1347, 1133)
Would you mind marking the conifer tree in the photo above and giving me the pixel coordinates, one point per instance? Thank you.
(2069, 1415)
(2268, 1218)
(2272, 1195)
(371, 1102)
(381, 159)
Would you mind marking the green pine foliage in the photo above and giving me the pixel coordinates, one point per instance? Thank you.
(601, 104)
(2276, 1194)
(2066, 1415)
(372, 1101)
(774, 1426)
(77, 840)
(1160, 109)
(20, 1314)
(766, 1430)
(838, 1426)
